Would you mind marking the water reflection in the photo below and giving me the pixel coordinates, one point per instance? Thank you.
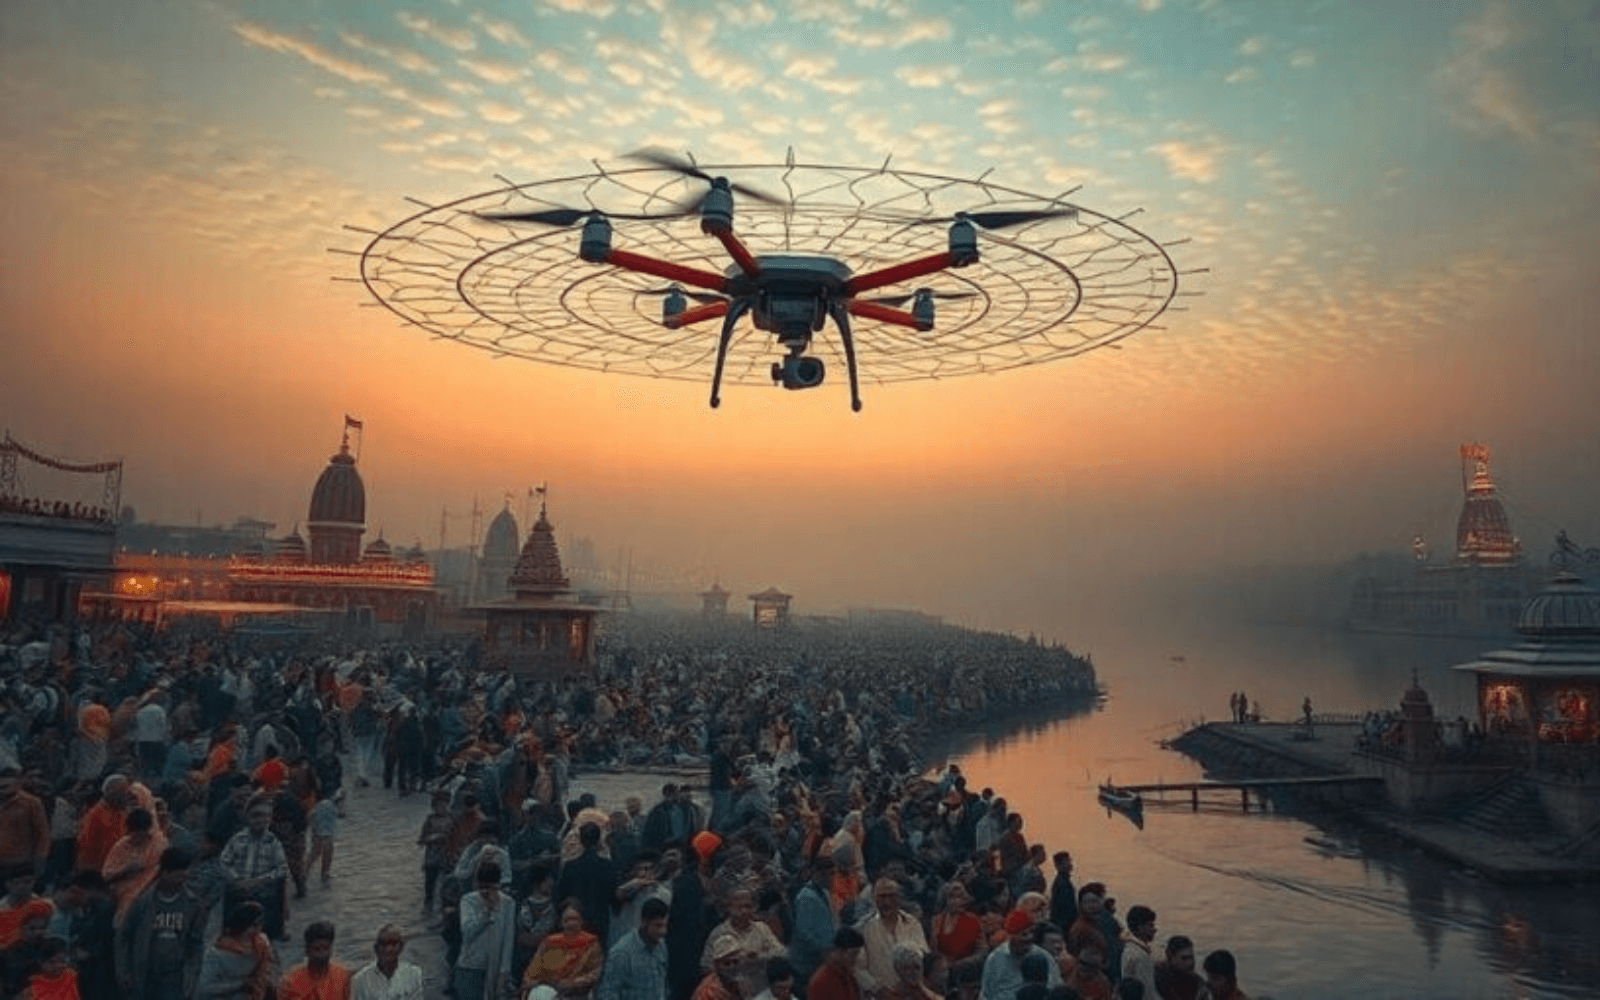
(1306, 919)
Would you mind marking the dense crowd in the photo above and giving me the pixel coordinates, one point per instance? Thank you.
(165, 799)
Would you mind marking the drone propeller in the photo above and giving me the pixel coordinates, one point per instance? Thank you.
(563, 217)
(704, 298)
(1004, 220)
(668, 161)
(894, 301)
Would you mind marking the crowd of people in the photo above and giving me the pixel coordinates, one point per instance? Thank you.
(166, 797)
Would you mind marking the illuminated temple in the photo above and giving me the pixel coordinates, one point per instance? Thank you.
(540, 629)
(329, 578)
(1480, 591)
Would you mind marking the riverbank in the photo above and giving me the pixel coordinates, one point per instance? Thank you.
(1464, 834)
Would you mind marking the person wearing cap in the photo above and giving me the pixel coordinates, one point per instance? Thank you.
(888, 927)
(753, 943)
(1002, 970)
(161, 940)
(722, 982)
(836, 979)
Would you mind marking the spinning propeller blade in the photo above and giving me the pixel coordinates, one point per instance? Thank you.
(1003, 220)
(899, 300)
(668, 161)
(704, 298)
(563, 217)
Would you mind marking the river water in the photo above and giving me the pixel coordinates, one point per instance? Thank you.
(1375, 919)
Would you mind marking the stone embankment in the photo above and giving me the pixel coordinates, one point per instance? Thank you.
(1500, 850)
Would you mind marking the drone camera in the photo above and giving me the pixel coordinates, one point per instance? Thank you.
(963, 242)
(595, 244)
(798, 371)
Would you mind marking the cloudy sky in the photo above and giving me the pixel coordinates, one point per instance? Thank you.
(1394, 206)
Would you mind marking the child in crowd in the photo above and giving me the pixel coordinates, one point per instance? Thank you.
(324, 826)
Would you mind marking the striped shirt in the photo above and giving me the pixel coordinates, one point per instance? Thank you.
(634, 971)
(251, 856)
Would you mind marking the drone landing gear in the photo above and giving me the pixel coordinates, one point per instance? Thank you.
(736, 309)
(841, 316)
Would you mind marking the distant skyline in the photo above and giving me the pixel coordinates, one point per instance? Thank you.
(1396, 204)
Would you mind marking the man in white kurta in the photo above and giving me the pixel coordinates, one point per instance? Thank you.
(883, 930)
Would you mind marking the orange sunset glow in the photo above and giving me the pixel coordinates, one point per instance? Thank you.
(1376, 284)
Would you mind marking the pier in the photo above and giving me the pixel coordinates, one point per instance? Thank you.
(1362, 784)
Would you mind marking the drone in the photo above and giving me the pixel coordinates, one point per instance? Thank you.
(790, 296)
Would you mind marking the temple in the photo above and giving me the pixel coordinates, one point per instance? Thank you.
(330, 581)
(540, 629)
(1478, 592)
(714, 602)
(770, 608)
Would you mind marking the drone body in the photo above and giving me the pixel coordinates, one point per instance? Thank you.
(790, 296)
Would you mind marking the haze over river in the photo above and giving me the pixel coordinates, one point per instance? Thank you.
(1381, 921)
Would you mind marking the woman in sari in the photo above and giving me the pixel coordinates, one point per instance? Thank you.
(568, 960)
(134, 860)
(238, 965)
(957, 932)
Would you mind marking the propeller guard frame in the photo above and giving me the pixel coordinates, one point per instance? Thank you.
(1039, 292)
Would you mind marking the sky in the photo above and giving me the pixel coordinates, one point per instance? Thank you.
(1389, 211)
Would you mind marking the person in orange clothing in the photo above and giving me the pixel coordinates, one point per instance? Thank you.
(223, 755)
(272, 773)
(134, 861)
(24, 832)
(107, 820)
(319, 977)
(19, 905)
(54, 980)
(836, 980)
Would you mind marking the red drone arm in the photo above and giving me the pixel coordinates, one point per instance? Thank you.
(668, 270)
(895, 273)
(883, 314)
(736, 250)
(699, 314)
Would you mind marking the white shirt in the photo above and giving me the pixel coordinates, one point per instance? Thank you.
(150, 724)
(371, 984)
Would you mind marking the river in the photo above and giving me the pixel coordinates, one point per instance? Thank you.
(1377, 919)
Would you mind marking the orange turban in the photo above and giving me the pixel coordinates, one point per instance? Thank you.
(705, 844)
(1018, 921)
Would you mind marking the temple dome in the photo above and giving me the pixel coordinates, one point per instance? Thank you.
(538, 571)
(500, 542)
(1565, 609)
(339, 496)
(378, 552)
(1483, 532)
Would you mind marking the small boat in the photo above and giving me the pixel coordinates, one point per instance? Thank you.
(1120, 799)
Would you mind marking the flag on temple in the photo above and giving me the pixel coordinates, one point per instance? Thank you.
(350, 421)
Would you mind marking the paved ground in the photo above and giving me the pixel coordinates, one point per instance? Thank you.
(377, 872)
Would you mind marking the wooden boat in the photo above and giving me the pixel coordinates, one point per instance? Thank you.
(1120, 799)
